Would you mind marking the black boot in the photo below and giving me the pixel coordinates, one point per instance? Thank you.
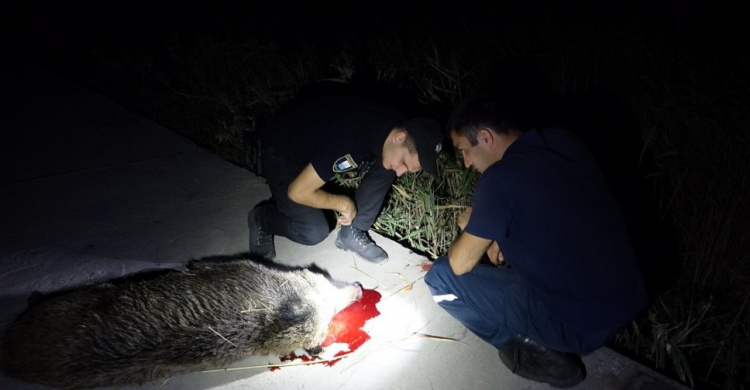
(357, 241)
(261, 242)
(530, 360)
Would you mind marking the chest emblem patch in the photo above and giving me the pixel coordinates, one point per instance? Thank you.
(344, 164)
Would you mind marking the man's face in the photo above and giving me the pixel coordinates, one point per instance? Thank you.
(479, 156)
(396, 157)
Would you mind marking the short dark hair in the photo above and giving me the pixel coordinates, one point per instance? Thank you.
(481, 111)
(411, 144)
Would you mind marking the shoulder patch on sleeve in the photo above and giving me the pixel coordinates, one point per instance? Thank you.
(344, 164)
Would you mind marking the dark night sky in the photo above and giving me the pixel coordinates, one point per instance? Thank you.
(67, 27)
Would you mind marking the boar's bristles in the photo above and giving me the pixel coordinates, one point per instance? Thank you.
(219, 334)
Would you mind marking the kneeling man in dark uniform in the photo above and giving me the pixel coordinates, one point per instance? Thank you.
(562, 279)
(306, 144)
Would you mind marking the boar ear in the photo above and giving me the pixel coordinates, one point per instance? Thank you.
(295, 310)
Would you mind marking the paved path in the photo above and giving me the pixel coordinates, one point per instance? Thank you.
(91, 191)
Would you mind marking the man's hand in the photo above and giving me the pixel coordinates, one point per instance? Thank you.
(463, 219)
(495, 255)
(347, 214)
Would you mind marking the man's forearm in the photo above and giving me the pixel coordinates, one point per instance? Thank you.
(306, 190)
(465, 252)
(320, 199)
(460, 263)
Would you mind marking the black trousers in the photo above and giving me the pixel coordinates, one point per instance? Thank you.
(307, 225)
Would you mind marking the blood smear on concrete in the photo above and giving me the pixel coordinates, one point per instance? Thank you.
(346, 326)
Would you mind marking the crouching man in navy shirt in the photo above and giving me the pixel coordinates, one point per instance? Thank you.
(306, 144)
(561, 279)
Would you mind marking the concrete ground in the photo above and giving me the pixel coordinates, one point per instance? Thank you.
(91, 191)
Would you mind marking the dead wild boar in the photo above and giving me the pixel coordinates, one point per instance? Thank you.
(135, 330)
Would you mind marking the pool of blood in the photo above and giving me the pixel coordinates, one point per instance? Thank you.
(346, 327)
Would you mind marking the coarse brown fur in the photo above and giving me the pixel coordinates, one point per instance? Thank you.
(137, 330)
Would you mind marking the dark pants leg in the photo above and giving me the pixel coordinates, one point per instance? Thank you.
(371, 193)
(283, 217)
(496, 304)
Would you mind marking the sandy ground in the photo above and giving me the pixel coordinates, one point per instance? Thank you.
(90, 191)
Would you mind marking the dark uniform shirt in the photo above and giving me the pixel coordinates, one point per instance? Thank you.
(548, 207)
(336, 133)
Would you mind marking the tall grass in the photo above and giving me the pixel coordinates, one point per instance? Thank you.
(693, 107)
(421, 211)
